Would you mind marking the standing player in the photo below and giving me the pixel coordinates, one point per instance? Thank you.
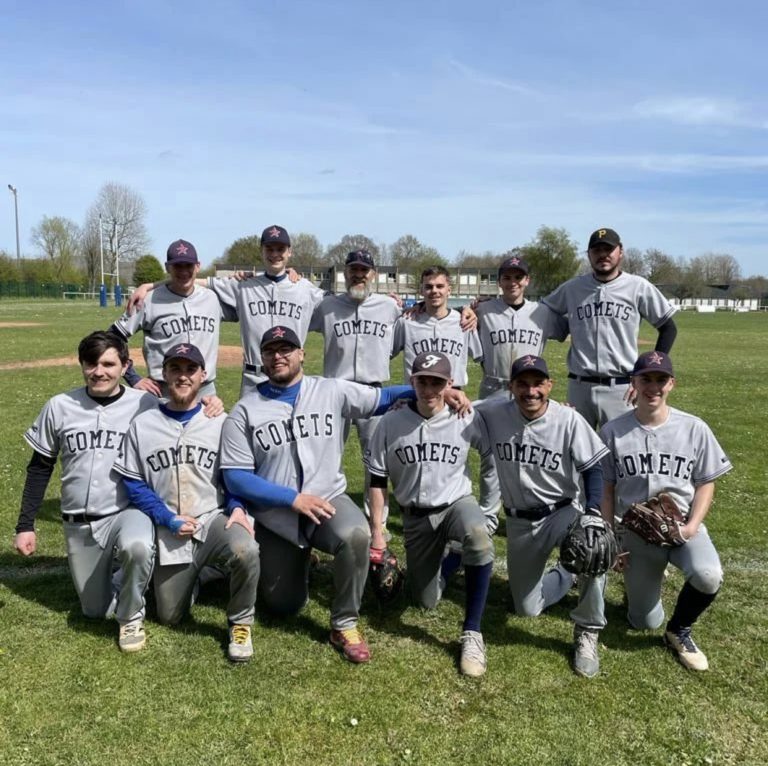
(281, 451)
(357, 333)
(656, 449)
(170, 466)
(175, 312)
(542, 451)
(604, 310)
(436, 329)
(86, 427)
(424, 448)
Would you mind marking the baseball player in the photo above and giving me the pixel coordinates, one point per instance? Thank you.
(424, 448)
(281, 451)
(545, 452)
(86, 428)
(175, 312)
(437, 328)
(170, 466)
(604, 310)
(658, 448)
(357, 333)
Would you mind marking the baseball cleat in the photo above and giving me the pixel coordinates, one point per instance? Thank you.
(350, 642)
(132, 636)
(586, 662)
(682, 644)
(240, 645)
(473, 660)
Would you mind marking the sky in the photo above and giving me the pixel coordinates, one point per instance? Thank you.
(466, 124)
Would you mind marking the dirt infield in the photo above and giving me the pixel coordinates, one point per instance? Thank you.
(229, 356)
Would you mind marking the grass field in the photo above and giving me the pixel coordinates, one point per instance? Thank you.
(69, 696)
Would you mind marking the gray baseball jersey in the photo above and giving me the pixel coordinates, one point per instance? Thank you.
(88, 436)
(299, 447)
(357, 335)
(167, 319)
(507, 334)
(426, 333)
(674, 457)
(604, 320)
(539, 461)
(426, 458)
(180, 463)
(260, 303)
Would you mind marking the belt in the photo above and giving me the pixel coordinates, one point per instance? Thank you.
(375, 384)
(601, 381)
(85, 518)
(541, 512)
(492, 379)
(254, 368)
(415, 510)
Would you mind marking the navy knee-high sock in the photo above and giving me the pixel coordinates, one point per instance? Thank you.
(690, 604)
(478, 580)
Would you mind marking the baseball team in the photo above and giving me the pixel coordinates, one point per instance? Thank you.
(160, 487)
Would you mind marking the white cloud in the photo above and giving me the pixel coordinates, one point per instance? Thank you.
(480, 78)
(698, 110)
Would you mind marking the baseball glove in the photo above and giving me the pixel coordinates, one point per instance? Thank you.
(589, 546)
(385, 575)
(658, 521)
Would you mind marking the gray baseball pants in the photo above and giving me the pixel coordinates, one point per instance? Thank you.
(597, 404)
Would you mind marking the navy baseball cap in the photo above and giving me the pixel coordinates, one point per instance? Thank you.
(275, 234)
(361, 257)
(432, 363)
(280, 334)
(653, 361)
(181, 251)
(528, 363)
(604, 237)
(185, 351)
(514, 262)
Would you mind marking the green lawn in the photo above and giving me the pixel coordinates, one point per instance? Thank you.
(69, 696)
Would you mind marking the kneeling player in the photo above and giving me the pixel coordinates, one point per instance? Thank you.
(541, 449)
(170, 465)
(657, 449)
(423, 447)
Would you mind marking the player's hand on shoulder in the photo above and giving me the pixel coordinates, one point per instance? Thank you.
(148, 385)
(25, 543)
(293, 275)
(631, 396)
(314, 507)
(241, 276)
(413, 311)
(458, 401)
(241, 517)
(137, 298)
(468, 319)
(212, 406)
(397, 299)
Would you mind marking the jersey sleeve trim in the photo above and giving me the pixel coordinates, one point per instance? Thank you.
(37, 447)
(596, 458)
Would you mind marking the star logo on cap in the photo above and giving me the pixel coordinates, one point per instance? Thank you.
(274, 232)
(655, 358)
(182, 249)
(278, 332)
(529, 361)
(514, 261)
(182, 349)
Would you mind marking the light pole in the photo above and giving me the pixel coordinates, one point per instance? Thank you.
(14, 191)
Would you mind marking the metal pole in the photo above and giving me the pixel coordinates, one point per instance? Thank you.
(14, 191)
(102, 286)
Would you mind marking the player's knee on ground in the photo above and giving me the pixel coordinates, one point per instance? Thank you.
(650, 620)
(708, 580)
(477, 546)
(171, 614)
(530, 606)
(281, 604)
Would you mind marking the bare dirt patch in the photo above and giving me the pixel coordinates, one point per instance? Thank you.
(20, 324)
(229, 356)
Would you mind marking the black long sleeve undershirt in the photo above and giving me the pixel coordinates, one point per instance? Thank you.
(39, 472)
(667, 335)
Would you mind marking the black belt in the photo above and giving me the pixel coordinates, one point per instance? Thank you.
(84, 518)
(620, 381)
(254, 368)
(415, 510)
(541, 512)
(376, 384)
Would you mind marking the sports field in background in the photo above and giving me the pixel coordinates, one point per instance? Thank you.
(68, 696)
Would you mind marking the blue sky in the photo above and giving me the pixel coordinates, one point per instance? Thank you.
(467, 124)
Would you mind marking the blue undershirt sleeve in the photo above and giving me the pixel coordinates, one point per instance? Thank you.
(149, 502)
(593, 485)
(256, 490)
(390, 394)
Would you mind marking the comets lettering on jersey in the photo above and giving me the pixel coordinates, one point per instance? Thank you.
(516, 335)
(280, 433)
(275, 308)
(430, 452)
(655, 463)
(444, 345)
(530, 454)
(80, 441)
(183, 454)
(360, 327)
(607, 309)
(175, 326)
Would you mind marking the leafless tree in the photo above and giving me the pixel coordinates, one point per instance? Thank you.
(59, 240)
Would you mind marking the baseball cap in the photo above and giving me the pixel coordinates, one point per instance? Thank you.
(604, 237)
(653, 361)
(432, 363)
(185, 351)
(275, 234)
(361, 257)
(514, 262)
(280, 334)
(528, 363)
(181, 251)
